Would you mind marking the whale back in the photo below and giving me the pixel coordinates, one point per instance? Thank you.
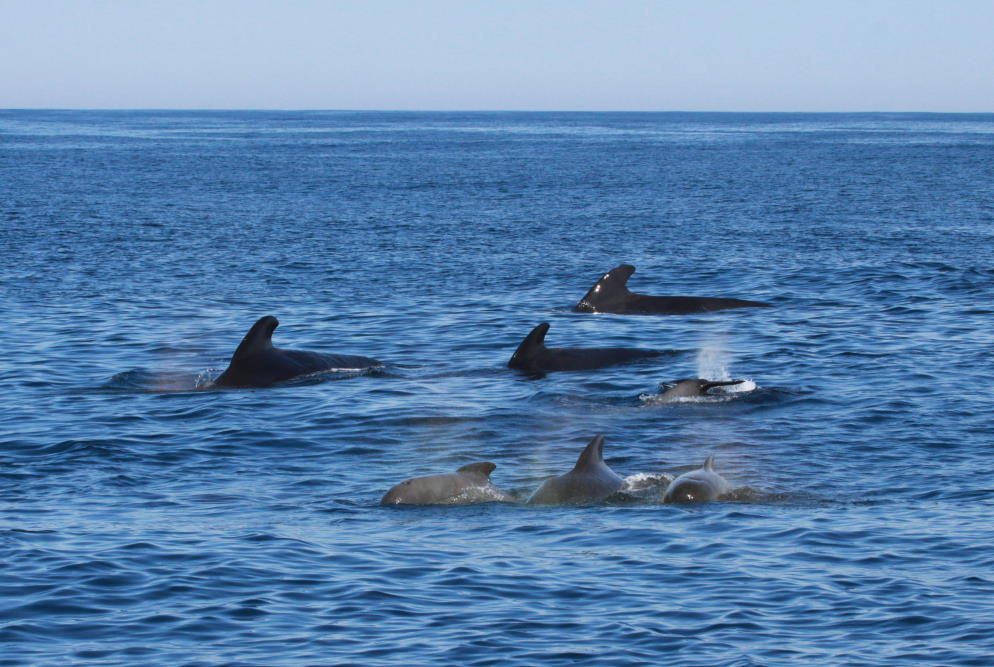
(257, 363)
(610, 294)
(685, 387)
(591, 480)
(470, 484)
(690, 387)
(700, 485)
(609, 291)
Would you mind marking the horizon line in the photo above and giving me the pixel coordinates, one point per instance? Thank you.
(457, 110)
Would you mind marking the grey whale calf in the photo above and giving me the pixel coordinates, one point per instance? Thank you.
(610, 294)
(697, 486)
(589, 481)
(533, 355)
(470, 484)
(256, 363)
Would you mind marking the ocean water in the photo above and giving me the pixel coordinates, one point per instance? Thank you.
(149, 519)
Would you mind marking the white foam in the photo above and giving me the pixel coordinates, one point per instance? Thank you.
(646, 480)
(744, 386)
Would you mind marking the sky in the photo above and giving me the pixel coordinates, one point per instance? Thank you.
(583, 55)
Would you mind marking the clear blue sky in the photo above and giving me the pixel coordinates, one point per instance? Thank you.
(746, 55)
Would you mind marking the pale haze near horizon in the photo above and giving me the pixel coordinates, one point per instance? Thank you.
(626, 55)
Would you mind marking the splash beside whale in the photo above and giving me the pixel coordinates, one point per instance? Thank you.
(610, 294)
(256, 363)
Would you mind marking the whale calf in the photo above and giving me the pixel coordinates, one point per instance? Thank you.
(469, 484)
(687, 388)
(589, 481)
(697, 486)
(610, 294)
(256, 363)
(533, 355)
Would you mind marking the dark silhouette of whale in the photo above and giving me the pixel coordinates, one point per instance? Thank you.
(694, 387)
(256, 363)
(697, 486)
(469, 484)
(610, 295)
(533, 355)
(589, 481)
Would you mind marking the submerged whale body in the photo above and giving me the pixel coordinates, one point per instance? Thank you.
(589, 481)
(469, 484)
(610, 294)
(688, 388)
(256, 363)
(533, 355)
(697, 486)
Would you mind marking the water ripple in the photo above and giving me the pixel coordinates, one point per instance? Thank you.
(149, 519)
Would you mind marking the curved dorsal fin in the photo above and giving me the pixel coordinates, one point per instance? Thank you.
(592, 455)
(533, 343)
(709, 463)
(258, 339)
(481, 469)
(611, 287)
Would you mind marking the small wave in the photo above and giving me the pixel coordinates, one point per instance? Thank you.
(145, 381)
(331, 374)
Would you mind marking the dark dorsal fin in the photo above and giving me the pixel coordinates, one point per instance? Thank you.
(611, 287)
(258, 339)
(592, 455)
(533, 343)
(709, 463)
(481, 469)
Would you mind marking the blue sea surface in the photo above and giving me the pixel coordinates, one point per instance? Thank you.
(150, 519)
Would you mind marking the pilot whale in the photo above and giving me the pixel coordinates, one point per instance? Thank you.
(469, 484)
(687, 388)
(697, 486)
(533, 355)
(589, 481)
(256, 363)
(610, 294)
